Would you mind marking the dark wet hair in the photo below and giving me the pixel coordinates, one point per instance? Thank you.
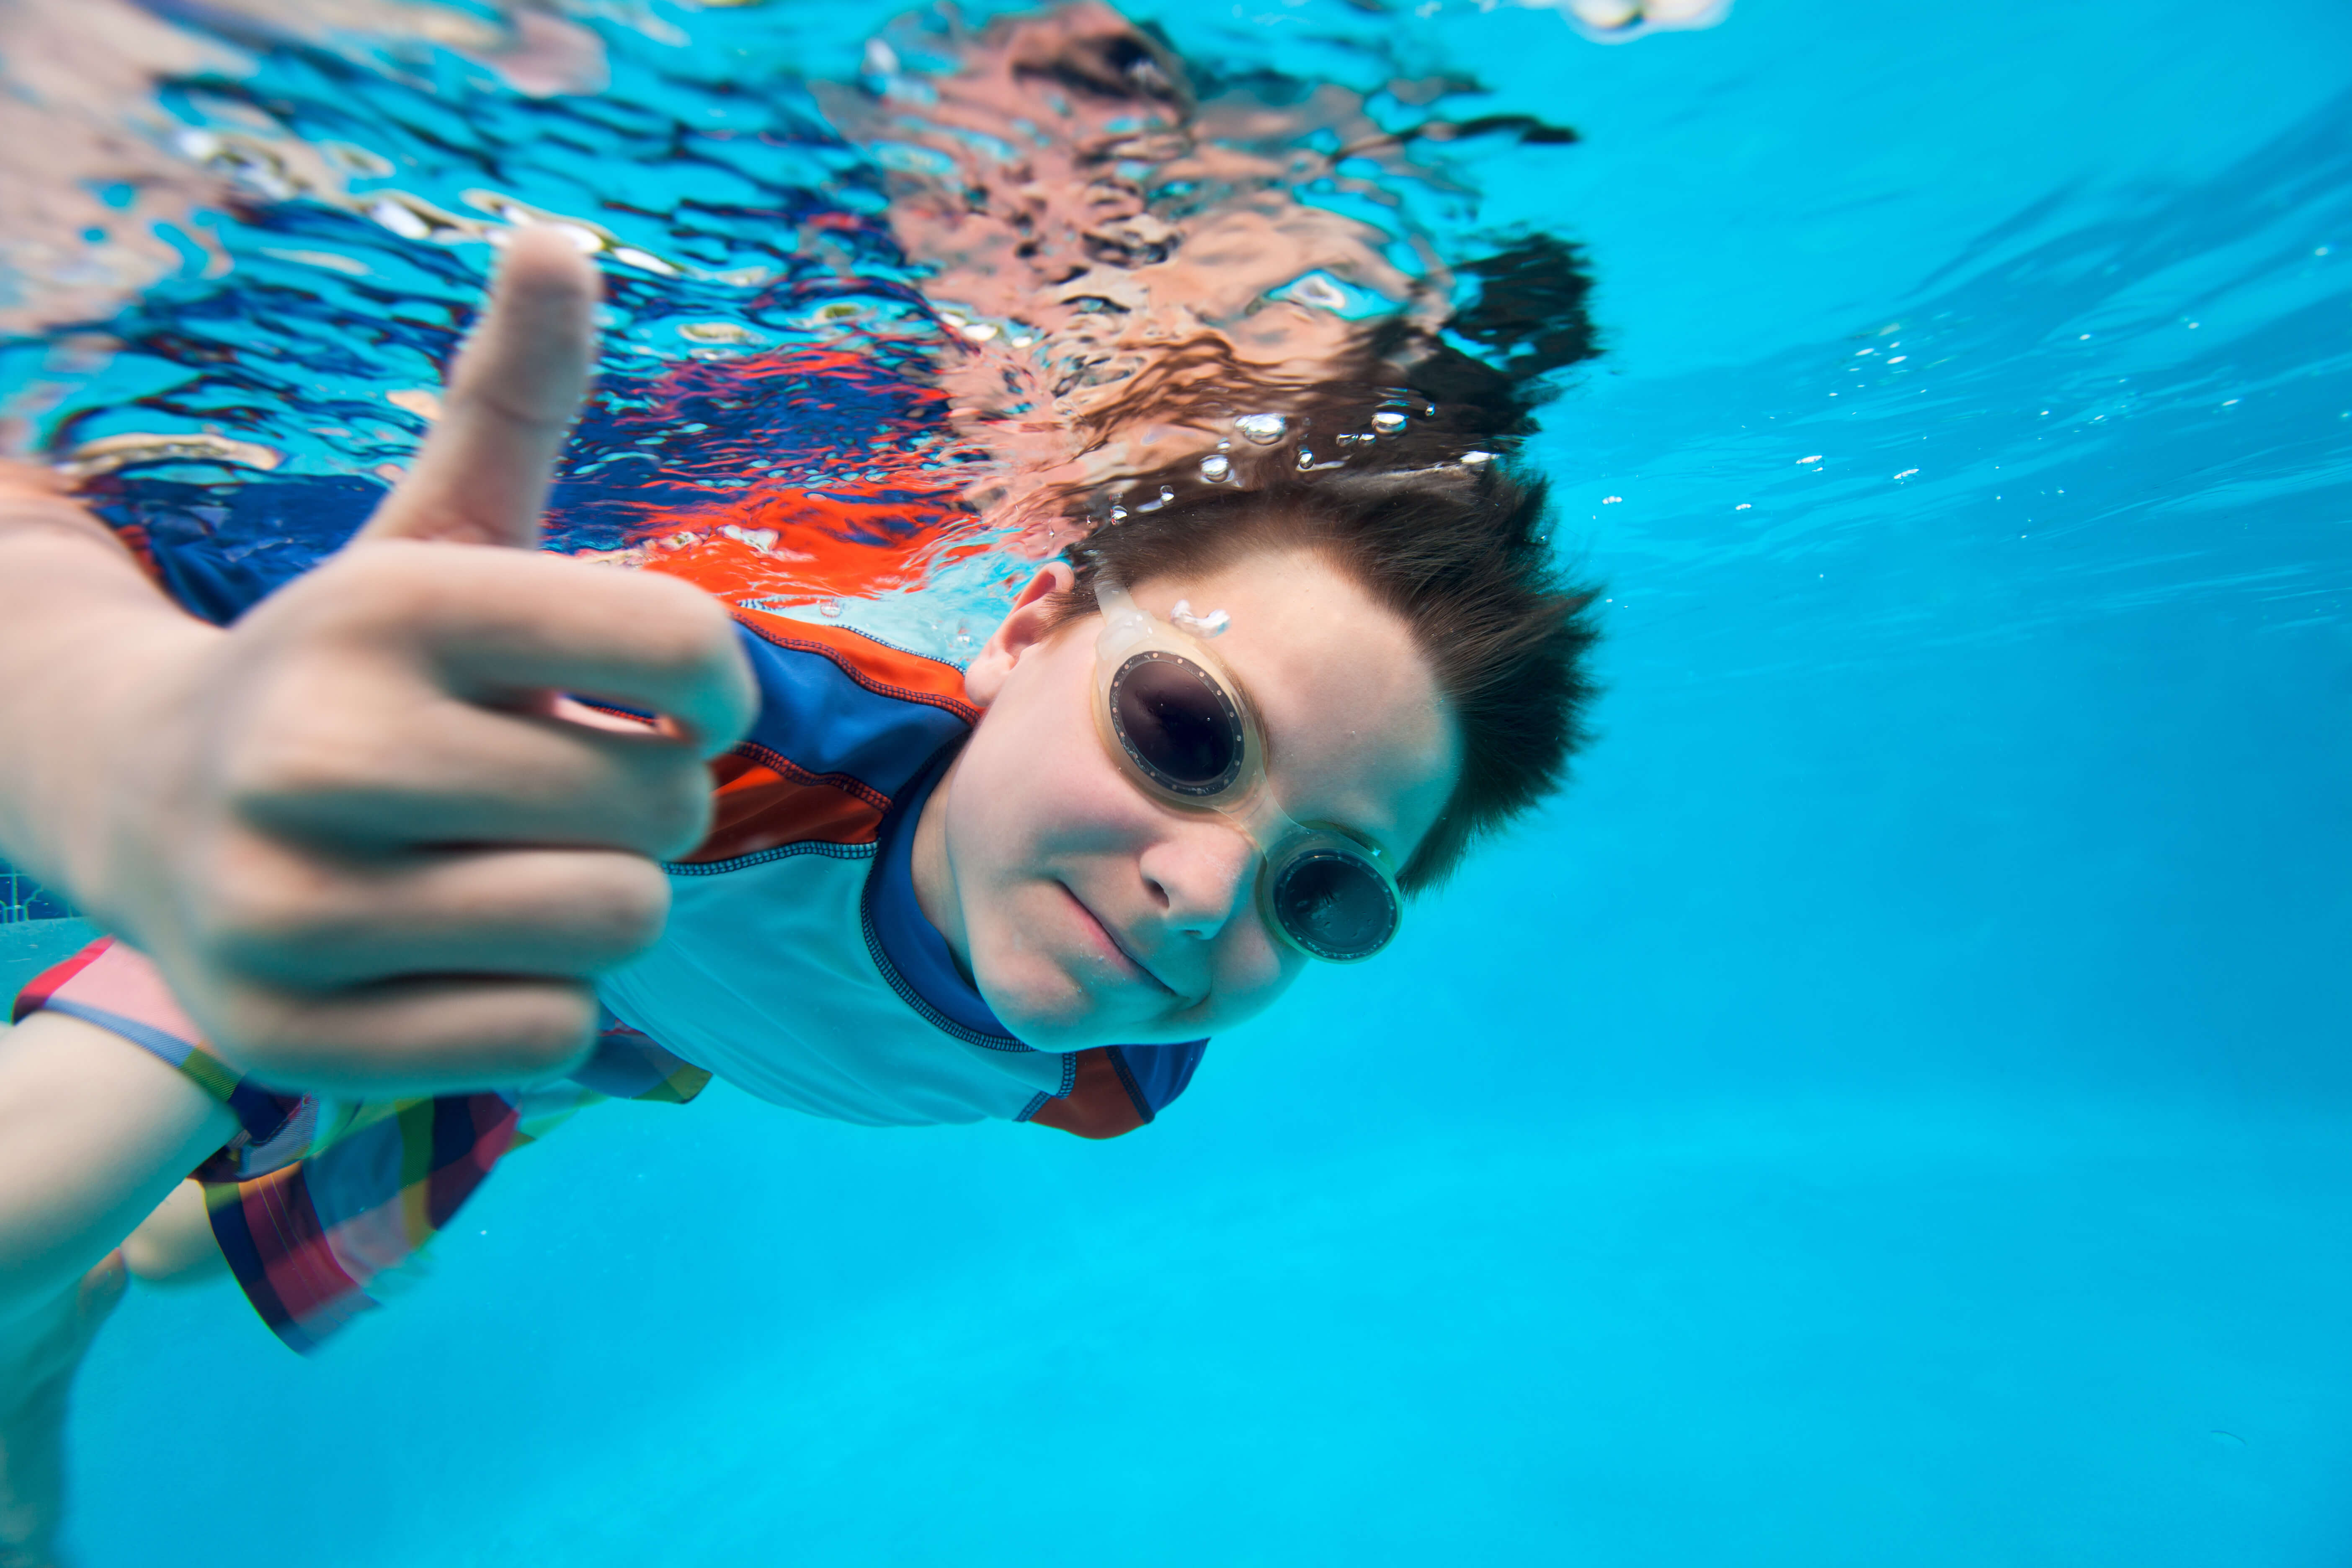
(1390, 458)
(1458, 551)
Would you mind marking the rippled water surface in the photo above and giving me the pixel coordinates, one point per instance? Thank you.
(1896, 1109)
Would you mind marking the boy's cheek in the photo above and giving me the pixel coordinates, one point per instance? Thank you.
(1222, 1011)
(1040, 1004)
(1018, 973)
(1238, 997)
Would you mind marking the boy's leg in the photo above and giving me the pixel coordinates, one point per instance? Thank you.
(41, 1350)
(95, 1131)
(174, 1245)
(39, 1353)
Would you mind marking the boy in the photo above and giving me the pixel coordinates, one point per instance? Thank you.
(404, 838)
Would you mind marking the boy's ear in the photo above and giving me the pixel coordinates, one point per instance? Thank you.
(1029, 624)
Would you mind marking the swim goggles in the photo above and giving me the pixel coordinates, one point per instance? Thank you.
(1175, 719)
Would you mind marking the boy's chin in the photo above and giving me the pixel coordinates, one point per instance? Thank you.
(1057, 1015)
(1046, 1012)
(1043, 1027)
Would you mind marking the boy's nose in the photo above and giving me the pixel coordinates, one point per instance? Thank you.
(1200, 872)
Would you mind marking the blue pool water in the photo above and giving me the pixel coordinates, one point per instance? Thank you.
(1897, 1109)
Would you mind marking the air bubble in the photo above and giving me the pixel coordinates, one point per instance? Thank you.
(1263, 429)
(1212, 625)
(830, 609)
(396, 217)
(1388, 423)
(1216, 468)
(1306, 459)
(1476, 459)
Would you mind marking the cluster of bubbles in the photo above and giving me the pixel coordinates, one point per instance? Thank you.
(1270, 429)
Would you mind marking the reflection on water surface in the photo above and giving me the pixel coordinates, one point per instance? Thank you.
(865, 331)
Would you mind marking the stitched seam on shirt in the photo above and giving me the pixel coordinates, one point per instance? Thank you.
(740, 862)
(963, 710)
(893, 647)
(1126, 1081)
(801, 775)
(912, 998)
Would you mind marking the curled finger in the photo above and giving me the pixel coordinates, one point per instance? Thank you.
(418, 1034)
(292, 920)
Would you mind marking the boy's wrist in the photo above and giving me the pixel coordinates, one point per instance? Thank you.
(88, 652)
(116, 809)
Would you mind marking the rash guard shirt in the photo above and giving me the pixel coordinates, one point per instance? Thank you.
(796, 963)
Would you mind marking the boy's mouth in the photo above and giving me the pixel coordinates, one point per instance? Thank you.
(1115, 950)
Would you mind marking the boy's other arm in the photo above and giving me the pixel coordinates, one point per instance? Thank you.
(94, 1132)
(354, 830)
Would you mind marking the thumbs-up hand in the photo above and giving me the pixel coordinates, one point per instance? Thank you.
(367, 838)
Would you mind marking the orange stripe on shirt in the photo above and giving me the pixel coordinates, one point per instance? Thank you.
(876, 666)
(1098, 1105)
(755, 807)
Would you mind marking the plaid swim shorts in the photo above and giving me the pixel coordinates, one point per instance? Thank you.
(322, 1205)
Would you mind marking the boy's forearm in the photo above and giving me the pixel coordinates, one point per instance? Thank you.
(78, 623)
(94, 1132)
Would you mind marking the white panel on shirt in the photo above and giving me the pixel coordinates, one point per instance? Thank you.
(802, 1017)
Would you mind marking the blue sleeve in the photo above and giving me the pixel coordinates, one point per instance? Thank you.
(1155, 1075)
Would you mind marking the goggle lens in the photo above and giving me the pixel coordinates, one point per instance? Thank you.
(1187, 737)
(1333, 904)
(1177, 724)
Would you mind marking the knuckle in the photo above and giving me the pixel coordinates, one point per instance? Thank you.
(683, 628)
(677, 811)
(399, 599)
(411, 592)
(549, 1029)
(349, 1042)
(629, 910)
(295, 750)
(265, 905)
(262, 1033)
(374, 585)
(281, 766)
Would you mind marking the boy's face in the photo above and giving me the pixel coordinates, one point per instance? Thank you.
(1087, 912)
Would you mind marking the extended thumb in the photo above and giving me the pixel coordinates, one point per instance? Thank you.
(482, 474)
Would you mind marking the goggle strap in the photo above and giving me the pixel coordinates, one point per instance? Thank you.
(1125, 622)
